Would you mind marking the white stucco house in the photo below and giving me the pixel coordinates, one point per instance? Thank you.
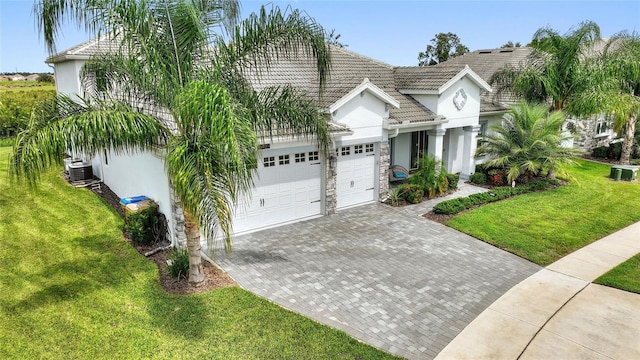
(381, 115)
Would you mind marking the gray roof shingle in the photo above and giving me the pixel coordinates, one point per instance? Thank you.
(485, 63)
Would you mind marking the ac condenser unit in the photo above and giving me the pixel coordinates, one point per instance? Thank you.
(80, 171)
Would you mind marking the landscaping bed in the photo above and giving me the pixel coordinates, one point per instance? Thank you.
(215, 277)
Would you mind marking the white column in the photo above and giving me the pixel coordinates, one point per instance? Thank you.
(436, 140)
(469, 152)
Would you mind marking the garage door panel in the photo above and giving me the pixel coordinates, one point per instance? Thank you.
(288, 187)
(355, 181)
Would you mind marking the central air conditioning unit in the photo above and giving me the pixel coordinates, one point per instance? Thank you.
(80, 171)
(68, 161)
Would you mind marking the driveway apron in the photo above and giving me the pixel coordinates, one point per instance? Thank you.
(384, 275)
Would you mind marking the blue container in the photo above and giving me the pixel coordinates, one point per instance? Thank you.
(133, 199)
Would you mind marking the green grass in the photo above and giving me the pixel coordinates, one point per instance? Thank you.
(625, 276)
(70, 287)
(25, 86)
(543, 227)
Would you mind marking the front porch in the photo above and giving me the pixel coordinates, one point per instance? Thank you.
(455, 147)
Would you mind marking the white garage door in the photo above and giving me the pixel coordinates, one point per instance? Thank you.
(288, 188)
(355, 180)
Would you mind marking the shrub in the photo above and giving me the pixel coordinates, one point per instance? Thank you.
(453, 181)
(449, 207)
(396, 195)
(600, 152)
(431, 176)
(478, 178)
(497, 177)
(414, 194)
(141, 225)
(615, 151)
(454, 206)
(178, 260)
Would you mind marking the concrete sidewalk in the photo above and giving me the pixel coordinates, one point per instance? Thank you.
(557, 313)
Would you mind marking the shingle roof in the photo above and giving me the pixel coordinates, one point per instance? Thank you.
(424, 77)
(348, 70)
(84, 51)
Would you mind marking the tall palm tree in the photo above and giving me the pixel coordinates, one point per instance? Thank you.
(179, 80)
(551, 73)
(527, 142)
(615, 87)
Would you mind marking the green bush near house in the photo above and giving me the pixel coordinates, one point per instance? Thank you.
(478, 178)
(452, 180)
(449, 207)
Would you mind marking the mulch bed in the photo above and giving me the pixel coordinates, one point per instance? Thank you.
(215, 277)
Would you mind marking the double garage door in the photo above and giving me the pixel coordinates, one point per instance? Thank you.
(288, 187)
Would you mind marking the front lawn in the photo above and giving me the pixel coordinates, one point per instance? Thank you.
(625, 276)
(70, 287)
(544, 227)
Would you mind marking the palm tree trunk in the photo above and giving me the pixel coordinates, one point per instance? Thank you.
(627, 145)
(192, 231)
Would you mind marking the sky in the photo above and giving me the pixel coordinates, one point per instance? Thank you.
(390, 31)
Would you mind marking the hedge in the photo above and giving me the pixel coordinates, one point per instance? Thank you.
(454, 206)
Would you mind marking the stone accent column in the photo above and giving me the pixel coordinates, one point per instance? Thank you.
(469, 150)
(383, 164)
(331, 200)
(179, 236)
(436, 140)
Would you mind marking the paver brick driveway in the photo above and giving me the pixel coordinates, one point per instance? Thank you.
(397, 281)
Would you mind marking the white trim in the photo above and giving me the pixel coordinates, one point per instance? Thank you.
(368, 86)
(464, 72)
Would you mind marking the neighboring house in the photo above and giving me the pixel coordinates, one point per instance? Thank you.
(590, 132)
(32, 77)
(16, 77)
(381, 115)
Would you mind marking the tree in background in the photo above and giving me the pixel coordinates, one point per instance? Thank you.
(166, 67)
(552, 74)
(443, 47)
(614, 87)
(510, 44)
(527, 142)
(44, 77)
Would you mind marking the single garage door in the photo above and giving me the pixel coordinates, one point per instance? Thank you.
(288, 188)
(355, 179)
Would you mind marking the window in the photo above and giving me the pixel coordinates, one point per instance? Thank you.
(345, 150)
(269, 161)
(369, 148)
(419, 145)
(602, 126)
(313, 155)
(357, 149)
(482, 133)
(283, 159)
(106, 158)
(299, 157)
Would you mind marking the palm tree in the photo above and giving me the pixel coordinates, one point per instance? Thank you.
(180, 81)
(527, 142)
(615, 87)
(551, 73)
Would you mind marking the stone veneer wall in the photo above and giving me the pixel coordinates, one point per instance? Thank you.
(586, 135)
(331, 202)
(383, 162)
